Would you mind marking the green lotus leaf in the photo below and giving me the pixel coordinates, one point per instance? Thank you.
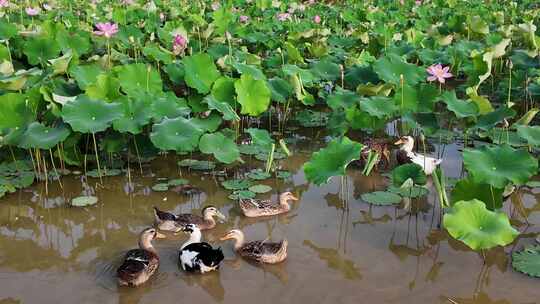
(223, 90)
(177, 182)
(530, 133)
(263, 156)
(236, 184)
(178, 134)
(200, 72)
(309, 118)
(83, 201)
(85, 75)
(156, 54)
(489, 120)
(408, 171)
(477, 227)
(360, 120)
(209, 124)
(381, 198)
(533, 184)
(409, 191)
(501, 136)
(203, 165)
(283, 174)
(260, 137)
(160, 187)
(242, 194)
(106, 87)
(259, 174)
(176, 72)
(40, 136)
(378, 106)
(461, 108)
(8, 30)
(104, 172)
(467, 189)
(113, 143)
(391, 67)
(281, 90)
(39, 50)
(222, 107)
(342, 99)
(260, 188)
(138, 78)
(250, 70)
(187, 162)
(167, 105)
(253, 95)
(332, 160)
(251, 149)
(223, 148)
(326, 70)
(14, 112)
(87, 115)
(500, 165)
(135, 115)
(527, 261)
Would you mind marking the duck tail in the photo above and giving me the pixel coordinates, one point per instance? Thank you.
(163, 216)
(438, 161)
(283, 249)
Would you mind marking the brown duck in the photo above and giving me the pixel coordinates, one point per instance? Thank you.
(167, 221)
(258, 251)
(256, 208)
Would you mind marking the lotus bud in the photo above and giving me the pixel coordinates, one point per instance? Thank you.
(152, 36)
(131, 39)
(228, 35)
(509, 64)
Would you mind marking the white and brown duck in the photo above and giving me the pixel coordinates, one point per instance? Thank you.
(406, 155)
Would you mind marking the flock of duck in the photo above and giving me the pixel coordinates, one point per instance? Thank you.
(200, 257)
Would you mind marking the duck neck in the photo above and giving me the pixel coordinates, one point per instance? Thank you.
(238, 241)
(146, 244)
(209, 219)
(194, 237)
(284, 202)
(408, 146)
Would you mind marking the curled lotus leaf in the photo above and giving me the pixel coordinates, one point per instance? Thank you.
(408, 171)
(476, 226)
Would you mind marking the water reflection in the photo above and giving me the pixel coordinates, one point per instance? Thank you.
(336, 261)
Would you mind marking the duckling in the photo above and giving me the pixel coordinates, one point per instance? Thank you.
(406, 155)
(258, 251)
(140, 264)
(197, 256)
(257, 207)
(167, 221)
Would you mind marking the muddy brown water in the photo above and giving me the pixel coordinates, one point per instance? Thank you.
(341, 250)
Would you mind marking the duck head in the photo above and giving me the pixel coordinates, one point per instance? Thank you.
(406, 143)
(210, 212)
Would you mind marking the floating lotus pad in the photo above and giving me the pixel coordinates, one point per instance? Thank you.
(527, 261)
(242, 194)
(410, 192)
(161, 187)
(259, 174)
(197, 164)
(332, 160)
(260, 188)
(177, 182)
(500, 165)
(236, 184)
(473, 224)
(177, 134)
(87, 115)
(83, 201)
(283, 174)
(381, 198)
(40, 136)
(223, 148)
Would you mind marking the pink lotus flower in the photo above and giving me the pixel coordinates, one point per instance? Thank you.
(128, 2)
(106, 29)
(244, 18)
(32, 11)
(215, 6)
(162, 16)
(317, 19)
(4, 3)
(179, 44)
(283, 16)
(437, 72)
(311, 2)
(418, 2)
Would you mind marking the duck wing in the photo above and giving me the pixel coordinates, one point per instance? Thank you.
(187, 218)
(135, 262)
(258, 248)
(163, 215)
(195, 256)
(256, 204)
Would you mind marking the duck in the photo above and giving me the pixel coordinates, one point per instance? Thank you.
(197, 256)
(258, 251)
(406, 155)
(379, 146)
(257, 207)
(167, 221)
(141, 263)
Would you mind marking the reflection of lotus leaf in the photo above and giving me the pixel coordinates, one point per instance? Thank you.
(500, 165)
(332, 160)
(160, 187)
(177, 182)
(223, 148)
(87, 115)
(260, 188)
(381, 198)
(527, 261)
(42, 137)
(177, 134)
(404, 172)
(83, 201)
(477, 227)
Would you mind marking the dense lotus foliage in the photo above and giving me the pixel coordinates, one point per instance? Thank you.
(82, 81)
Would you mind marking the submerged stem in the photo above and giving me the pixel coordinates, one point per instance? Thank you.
(97, 157)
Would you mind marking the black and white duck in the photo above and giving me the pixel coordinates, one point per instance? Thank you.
(406, 155)
(167, 221)
(197, 256)
(141, 263)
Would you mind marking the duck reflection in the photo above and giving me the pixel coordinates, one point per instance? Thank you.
(209, 282)
(335, 261)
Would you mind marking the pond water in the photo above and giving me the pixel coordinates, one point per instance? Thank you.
(341, 250)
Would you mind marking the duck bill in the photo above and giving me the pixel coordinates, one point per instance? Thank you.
(399, 142)
(294, 198)
(225, 237)
(221, 216)
(160, 235)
